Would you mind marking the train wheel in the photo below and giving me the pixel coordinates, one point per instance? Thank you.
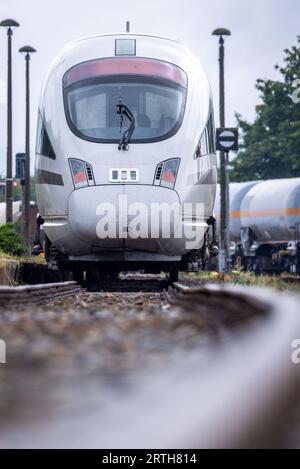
(78, 276)
(47, 247)
(173, 275)
(92, 281)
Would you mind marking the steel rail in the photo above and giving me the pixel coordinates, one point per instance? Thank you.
(17, 295)
(290, 279)
(249, 400)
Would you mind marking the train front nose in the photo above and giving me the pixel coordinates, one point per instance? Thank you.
(135, 217)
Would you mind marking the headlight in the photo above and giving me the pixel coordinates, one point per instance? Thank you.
(166, 173)
(82, 173)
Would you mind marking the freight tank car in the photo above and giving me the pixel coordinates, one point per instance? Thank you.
(270, 226)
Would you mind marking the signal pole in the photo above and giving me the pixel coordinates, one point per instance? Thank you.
(26, 208)
(224, 163)
(9, 24)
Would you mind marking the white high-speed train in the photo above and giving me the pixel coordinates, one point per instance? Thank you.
(126, 136)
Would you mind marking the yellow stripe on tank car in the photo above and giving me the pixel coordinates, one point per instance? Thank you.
(275, 212)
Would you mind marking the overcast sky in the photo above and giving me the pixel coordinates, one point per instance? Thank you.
(261, 29)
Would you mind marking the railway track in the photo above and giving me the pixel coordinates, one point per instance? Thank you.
(259, 385)
(20, 295)
(290, 278)
(216, 297)
(238, 389)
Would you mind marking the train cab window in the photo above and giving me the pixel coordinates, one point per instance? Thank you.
(43, 144)
(207, 144)
(154, 91)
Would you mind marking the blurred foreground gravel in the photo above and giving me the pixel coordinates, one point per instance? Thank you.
(102, 340)
(91, 352)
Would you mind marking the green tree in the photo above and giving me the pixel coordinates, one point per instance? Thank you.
(271, 145)
(11, 242)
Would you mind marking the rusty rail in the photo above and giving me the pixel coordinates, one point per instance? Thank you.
(18, 295)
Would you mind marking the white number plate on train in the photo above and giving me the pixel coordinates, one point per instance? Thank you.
(124, 175)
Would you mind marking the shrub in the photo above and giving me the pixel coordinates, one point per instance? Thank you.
(11, 242)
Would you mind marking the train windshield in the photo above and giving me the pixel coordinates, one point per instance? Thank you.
(155, 94)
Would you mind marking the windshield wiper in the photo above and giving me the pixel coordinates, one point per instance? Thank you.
(123, 110)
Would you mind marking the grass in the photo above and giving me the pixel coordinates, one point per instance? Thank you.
(237, 277)
(5, 256)
(10, 265)
(32, 260)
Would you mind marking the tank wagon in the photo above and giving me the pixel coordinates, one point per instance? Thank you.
(270, 226)
(265, 225)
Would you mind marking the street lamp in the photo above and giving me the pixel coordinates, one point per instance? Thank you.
(9, 24)
(27, 50)
(224, 164)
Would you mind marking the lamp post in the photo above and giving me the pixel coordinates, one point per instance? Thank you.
(27, 50)
(224, 164)
(9, 24)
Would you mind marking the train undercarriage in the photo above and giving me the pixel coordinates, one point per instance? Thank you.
(108, 264)
(263, 258)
